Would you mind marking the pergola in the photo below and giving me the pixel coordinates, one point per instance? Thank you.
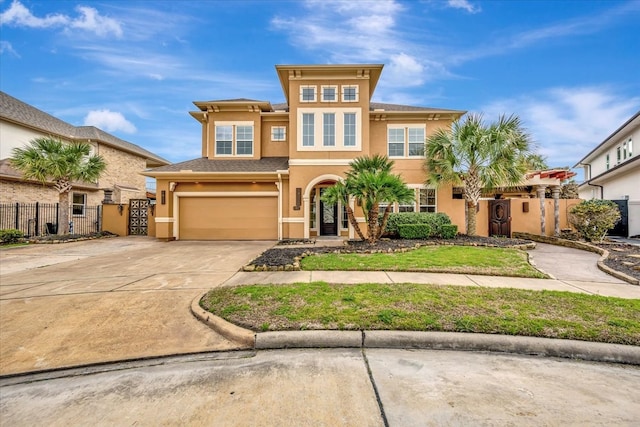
(552, 178)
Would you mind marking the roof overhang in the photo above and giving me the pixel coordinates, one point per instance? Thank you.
(329, 71)
(431, 115)
(191, 176)
(243, 105)
(621, 169)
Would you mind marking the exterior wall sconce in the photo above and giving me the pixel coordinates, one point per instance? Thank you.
(525, 206)
(163, 197)
(152, 208)
(298, 199)
(120, 208)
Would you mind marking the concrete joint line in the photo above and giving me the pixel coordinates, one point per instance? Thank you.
(131, 283)
(474, 282)
(389, 277)
(373, 384)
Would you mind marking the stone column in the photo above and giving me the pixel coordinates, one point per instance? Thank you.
(540, 191)
(555, 193)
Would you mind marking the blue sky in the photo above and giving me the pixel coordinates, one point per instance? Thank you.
(569, 69)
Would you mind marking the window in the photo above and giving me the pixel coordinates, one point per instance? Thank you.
(427, 200)
(396, 142)
(224, 140)
(383, 206)
(329, 93)
(350, 93)
(345, 217)
(79, 204)
(307, 94)
(607, 161)
(630, 147)
(624, 150)
(349, 129)
(329, 129)
(618, 155)
(308, 129)
(234, 139)
(406, 140)
(244, 140)
(278, 133)
(334, 129)
(407, 208)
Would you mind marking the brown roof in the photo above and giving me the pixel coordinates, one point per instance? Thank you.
(7, 171)
(399, 107)
(17, 111)
(266, 164)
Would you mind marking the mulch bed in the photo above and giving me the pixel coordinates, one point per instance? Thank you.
(67, 238)
(285, 255)
(623, 257)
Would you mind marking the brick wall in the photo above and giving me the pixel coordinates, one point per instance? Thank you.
(123, 169)
(22, 192)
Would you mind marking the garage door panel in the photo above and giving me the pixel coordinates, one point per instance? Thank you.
(228, 218)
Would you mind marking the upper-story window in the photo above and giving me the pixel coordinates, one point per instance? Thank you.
(618, 155)
(630, 147)
(308, 93)
(234, 138)
(278, 133)
(336, 129)
(349, 93)
(406, 140)
(329, 93)
(607, 161)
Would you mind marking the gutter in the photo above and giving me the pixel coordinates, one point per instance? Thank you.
(588, 182)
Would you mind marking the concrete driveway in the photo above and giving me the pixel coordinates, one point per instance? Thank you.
(109, 299)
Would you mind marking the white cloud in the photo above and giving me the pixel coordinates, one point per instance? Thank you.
(464, 4)
(110, 121)
(89, 20)
(6, 47)
(567, 123)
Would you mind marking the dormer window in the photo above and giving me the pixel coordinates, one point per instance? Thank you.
(307, 93)
(234, 139)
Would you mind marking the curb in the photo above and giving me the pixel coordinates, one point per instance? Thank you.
(228, 330)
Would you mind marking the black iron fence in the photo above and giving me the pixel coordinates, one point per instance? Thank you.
(40, 219)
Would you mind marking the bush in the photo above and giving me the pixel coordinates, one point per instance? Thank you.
(592, 218)
(448, 231)
(10, 235)
(414, 231)
(434, 220)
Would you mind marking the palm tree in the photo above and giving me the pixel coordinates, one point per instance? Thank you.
(476, 156)
(370, 182)
(49, 159)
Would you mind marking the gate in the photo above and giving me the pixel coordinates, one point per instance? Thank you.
(500, 218)
(622, 227)
(138, 222)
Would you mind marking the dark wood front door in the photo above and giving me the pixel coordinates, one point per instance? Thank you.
(500, 218)
(328, 218)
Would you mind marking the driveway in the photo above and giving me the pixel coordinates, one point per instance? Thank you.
(109, 299)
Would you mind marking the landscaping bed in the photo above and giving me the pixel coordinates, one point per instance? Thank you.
(286, 256)
(67, 238)
(623, 257)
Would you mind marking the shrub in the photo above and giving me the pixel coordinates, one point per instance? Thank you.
(434, 220)
(414, 231)
(448, 231)
(10, 235)
(592, 218)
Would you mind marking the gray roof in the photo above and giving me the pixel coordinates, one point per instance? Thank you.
(265, 164)
(17, 111)
(398, 107)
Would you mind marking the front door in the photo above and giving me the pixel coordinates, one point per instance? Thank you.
(500, 218)
(328, 218)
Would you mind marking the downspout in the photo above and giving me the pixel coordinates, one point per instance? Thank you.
(279, 185)
(589, 181)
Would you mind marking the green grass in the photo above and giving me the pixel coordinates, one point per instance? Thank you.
(413, 307)
(449, 259)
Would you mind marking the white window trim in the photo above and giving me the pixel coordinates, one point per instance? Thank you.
(406, 128)
(284, 133)
(234, 140)
(315, 93)
(342, 90)
(319, 129)
(83, 204)
(335, 89)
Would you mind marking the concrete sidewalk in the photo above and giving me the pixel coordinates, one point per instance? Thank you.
(612, 288)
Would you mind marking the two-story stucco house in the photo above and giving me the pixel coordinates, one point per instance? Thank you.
(264, 166)
(20, 123)
(612, 172)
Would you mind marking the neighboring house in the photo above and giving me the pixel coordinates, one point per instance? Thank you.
(264, 166)
(20, 123)
(612, 172)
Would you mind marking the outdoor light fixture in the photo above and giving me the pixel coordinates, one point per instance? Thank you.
(120, 208)
(298, 199)
(163, 197)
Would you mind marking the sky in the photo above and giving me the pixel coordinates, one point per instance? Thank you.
(569, 69)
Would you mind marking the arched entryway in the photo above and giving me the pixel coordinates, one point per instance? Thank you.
(322, 220)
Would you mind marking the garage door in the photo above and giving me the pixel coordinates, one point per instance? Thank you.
(228, 218)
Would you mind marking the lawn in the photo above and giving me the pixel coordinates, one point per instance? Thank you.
(447, 259)
(413, 307)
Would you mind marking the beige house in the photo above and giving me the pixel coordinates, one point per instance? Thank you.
(264, 166)
(20, 123)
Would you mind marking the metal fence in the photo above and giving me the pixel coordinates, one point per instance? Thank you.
(40, 219)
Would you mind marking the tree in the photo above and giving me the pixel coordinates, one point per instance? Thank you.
(49, 159)
(370, 182)
(475, 156)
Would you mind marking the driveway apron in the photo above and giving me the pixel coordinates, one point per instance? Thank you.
(111, 299)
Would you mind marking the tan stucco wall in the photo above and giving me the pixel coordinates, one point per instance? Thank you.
(274, 148)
